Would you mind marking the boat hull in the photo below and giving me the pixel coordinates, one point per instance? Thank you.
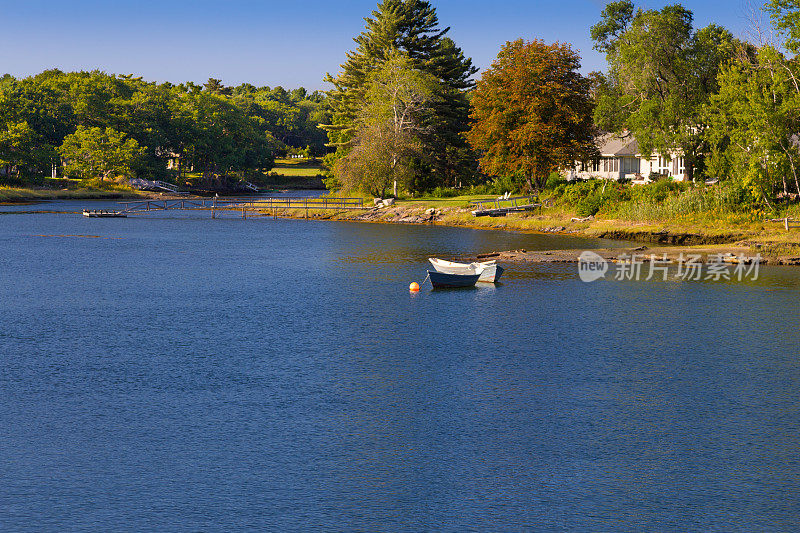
(489, 271)
(441, 280)
(103, 214)
(491, 274)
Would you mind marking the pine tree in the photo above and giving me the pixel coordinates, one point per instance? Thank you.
(411, 27)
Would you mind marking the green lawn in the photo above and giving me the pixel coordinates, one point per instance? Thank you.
(297, 168)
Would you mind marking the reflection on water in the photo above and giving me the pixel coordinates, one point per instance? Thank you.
(201, 374)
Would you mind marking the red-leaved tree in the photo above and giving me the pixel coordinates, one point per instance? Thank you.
(532, 112)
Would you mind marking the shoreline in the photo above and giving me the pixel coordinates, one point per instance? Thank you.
(16, 196)
(673, 254)
(775, 247)
(22, 196)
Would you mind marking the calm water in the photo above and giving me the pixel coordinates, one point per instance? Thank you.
(188, 374)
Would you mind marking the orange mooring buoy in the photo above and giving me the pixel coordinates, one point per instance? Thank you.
(414, 287)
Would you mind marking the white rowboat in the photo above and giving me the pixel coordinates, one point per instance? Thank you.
(489, 270)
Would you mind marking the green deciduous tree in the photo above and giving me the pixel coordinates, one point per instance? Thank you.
(232, 138)
(19, 147)
(389, 128)
(222, 139)
(785, 15)
(93, 152)
(754, 121)
(661, 74)
(532, 112)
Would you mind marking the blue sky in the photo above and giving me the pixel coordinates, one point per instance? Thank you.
(272, 43)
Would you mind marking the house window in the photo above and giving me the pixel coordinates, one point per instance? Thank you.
(679, 166)
(664, 165)
(630, 165)
(610, 164)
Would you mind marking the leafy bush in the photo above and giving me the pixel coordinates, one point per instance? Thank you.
(732, 201)
(504, 184)
(499, 185)
(444, 192)
(590, 205)
(571, 194)
(589, 197)
(482, 188)
(11, 181)
(554, 180)
(658, 190)
(657, 176)
(332, 183)
(669, 200)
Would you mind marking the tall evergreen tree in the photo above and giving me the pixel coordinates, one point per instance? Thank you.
(411, 27)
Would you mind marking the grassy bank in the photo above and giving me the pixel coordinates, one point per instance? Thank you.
(688, 220)
(21, 194)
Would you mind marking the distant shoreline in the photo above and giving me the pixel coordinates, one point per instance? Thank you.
(775, 245)
(17, 196)
(22, 195)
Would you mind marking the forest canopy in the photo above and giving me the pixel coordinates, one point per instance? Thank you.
(151, 130)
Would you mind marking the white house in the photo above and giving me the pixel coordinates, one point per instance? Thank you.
(620, 158)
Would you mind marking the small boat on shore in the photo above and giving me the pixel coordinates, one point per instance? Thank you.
(441, 280)
(102, 213)
(489, 271)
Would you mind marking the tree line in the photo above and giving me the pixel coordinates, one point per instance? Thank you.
(102, 126)
(405, 112)
(406, 109)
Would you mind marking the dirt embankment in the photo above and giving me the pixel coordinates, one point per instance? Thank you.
(670, 238)
(707, 254)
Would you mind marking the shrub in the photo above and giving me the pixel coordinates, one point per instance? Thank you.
(659, 190)
(443, 192)
(332, 183)
(573, 193)
(669, 200)
(482, 188)
(554, 180)
(504, 184)
(657, 176)
(590, 205)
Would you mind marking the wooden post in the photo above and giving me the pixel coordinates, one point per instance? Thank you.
(786, 223)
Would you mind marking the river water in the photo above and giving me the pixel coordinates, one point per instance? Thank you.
(175, 373)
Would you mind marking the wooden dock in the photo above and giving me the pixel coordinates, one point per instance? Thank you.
(502, 206)
(246, 206)
(787, 222)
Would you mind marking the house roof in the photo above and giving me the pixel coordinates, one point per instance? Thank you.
(612, 144)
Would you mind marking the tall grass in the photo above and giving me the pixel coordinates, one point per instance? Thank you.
(727, 202)
(661, 201)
